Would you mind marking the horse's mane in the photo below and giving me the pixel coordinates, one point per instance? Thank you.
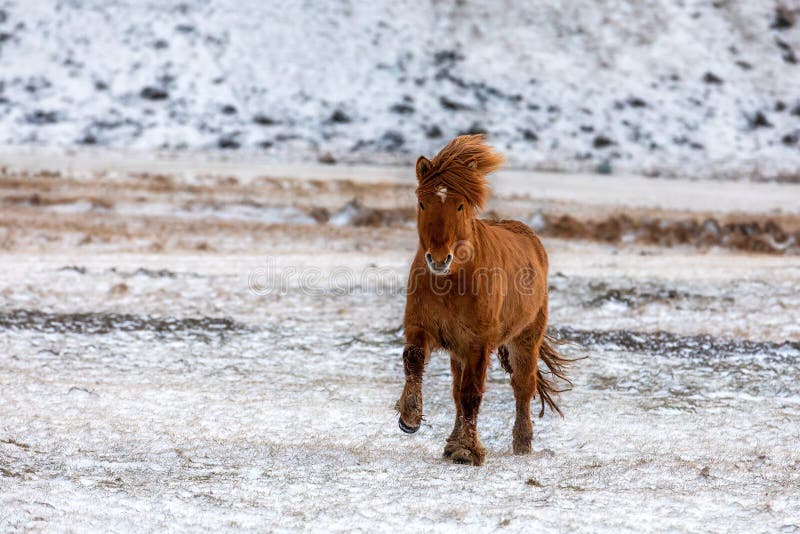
(461, 167)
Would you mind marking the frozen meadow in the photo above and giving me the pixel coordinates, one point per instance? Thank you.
(151, 378)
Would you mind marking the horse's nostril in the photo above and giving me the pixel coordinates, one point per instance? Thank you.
(436, 265)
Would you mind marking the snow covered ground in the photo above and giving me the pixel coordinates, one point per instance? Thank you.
(170, 418)
(148, 381)
(681, 88)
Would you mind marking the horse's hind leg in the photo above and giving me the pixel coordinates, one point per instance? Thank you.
(452, 441)
(523, 363)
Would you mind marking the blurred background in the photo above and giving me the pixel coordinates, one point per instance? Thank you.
(705, 88)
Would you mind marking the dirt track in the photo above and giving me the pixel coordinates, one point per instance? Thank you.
(132, 205)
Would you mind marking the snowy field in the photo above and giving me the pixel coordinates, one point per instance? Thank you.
(152, 378)
(690, 88)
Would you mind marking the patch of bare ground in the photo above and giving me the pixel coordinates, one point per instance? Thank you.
(160, 212)
(36, 230)
(763, 235)
(107, 323)
(697, 346)
(750, 234)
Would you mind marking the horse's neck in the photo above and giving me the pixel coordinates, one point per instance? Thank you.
(480, 238)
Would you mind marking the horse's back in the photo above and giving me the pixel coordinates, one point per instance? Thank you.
(517, 227)
(525, 234)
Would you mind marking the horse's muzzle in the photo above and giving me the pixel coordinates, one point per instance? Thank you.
(405, 428)
(438, 267)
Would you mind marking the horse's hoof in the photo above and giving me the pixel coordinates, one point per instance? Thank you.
(405, 428)
(465, 456)
(522, 448)
(449, 449)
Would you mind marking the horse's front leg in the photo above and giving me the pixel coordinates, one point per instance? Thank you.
(468, 448)
(415, 354)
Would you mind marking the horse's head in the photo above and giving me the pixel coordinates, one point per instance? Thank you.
(444, 218)
(452, 188)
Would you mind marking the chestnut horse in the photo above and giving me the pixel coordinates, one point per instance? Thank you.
(476, 286)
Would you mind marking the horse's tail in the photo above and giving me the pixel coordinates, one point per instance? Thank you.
(557, 365)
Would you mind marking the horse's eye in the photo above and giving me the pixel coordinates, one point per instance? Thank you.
(460, 207)
(421, 206)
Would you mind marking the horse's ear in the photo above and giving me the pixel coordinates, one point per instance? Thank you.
(423, 166)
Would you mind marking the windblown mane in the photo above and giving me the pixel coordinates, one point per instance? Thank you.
(461, 167)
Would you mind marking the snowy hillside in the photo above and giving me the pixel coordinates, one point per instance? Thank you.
(658, 86)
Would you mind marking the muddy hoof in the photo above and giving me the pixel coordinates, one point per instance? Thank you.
(405, 428)
(462, 455)
(522, 448)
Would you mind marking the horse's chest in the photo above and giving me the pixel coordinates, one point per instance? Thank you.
(457, 308)
(457, 320)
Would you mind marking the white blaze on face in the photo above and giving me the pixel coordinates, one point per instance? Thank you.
(442, 193)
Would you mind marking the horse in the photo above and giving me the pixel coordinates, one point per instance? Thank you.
(476, 287)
